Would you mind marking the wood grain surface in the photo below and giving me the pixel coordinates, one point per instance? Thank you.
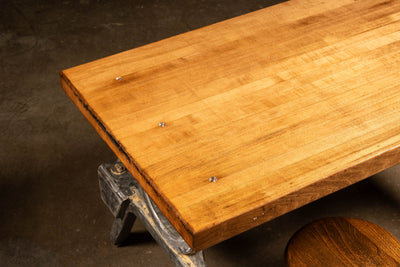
(343, 242)
(283, 106)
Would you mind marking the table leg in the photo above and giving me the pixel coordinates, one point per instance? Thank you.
(121, 228)
(127, 200)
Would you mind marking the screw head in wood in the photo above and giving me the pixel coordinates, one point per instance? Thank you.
(212, 179)
(118, 78)
(161, 124)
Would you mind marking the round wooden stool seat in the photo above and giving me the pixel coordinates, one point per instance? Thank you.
(342, 242)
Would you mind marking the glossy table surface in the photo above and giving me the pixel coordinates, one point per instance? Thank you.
(282, 106)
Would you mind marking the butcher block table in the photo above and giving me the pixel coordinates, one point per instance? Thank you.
(231, 125)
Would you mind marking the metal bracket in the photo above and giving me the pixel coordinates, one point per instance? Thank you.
(127, 200)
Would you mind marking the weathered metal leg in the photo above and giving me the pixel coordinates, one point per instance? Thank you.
(115, 191)
(127, 200)
(121, 228)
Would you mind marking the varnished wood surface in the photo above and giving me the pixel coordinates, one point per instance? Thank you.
(283, 106)
(343, 242)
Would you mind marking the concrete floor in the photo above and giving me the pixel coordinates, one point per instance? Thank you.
(51, 213)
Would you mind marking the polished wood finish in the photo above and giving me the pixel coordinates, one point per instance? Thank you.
(283, 106)
(343, 242)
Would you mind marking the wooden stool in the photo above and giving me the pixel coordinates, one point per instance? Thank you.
(342, 242)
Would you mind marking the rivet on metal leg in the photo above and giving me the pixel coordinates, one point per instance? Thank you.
(118, 168)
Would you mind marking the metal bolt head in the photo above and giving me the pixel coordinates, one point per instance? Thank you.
(118, 169)
(161, 124)
(118, 78)
(212, 179)
(185, 250)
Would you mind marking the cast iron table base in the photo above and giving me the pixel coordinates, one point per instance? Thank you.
(127, 201)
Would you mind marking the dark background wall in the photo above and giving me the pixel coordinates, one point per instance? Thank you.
(50, 210)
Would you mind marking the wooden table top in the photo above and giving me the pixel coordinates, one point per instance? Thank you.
(283, 106)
